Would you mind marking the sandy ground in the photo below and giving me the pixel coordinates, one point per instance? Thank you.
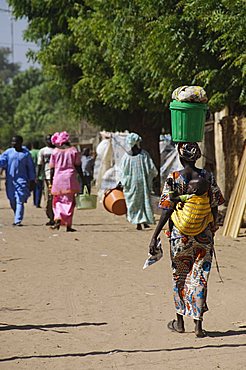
(82, 301)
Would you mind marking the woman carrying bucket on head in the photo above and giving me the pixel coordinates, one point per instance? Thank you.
(191, 252)
(64, 165)
(191, 255)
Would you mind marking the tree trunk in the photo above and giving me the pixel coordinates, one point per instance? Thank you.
(143, 125)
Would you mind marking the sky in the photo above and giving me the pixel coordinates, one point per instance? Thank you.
(20, 46)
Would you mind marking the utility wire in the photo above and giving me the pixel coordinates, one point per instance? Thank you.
(11, 30)
(17, 44)
(5, 10)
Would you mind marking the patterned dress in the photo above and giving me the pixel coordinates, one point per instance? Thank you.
(191, 256)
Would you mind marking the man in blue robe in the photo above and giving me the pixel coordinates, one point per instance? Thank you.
(20, 176)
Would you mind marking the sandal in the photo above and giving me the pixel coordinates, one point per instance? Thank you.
(18, 224)
(70, 229)
(172, 325)
(56, 225)
(202, 334)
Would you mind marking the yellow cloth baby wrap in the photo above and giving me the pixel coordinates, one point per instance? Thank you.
(194, 216)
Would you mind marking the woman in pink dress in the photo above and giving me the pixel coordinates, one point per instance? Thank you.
(65, 165)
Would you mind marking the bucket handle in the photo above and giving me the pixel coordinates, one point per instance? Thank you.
(107, 192)
(85, 190)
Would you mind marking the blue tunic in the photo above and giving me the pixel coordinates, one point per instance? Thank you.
(20, 170)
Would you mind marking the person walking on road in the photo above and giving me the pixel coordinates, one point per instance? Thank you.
(65, 165)
(137, 171)
(87, 165)
(191, 255)
(38, 189)
(44, 170)
(20, 176)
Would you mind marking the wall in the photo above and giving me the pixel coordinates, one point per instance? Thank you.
(234, 138)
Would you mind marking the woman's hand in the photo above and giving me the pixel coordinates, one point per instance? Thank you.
(165, 215)
(152, 246)
(119, 186)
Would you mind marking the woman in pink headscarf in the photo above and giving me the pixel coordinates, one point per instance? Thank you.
(64, 164)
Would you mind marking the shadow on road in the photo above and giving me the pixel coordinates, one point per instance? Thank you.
(228, 333)
(45, 327)
(115, 351)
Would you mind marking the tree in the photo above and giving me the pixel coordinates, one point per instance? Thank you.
(41, 110)
(204, 44)
(101, 88)
(119, 62)
(7, 72)
(30, 104)
(11, 92)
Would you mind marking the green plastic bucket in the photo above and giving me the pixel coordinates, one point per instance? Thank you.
(187, 120)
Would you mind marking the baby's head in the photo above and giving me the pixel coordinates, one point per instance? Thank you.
(198, 186)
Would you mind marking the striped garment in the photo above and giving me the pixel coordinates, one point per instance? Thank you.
(193, 216)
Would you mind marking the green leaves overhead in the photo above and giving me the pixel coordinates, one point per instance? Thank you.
(129, 55)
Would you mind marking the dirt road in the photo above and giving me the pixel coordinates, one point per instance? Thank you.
(82, 301)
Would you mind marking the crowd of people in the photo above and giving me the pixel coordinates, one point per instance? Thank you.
(189, 203)
(52, 171)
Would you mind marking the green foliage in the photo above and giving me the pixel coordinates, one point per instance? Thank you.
(41, 110)
(224, 27)
(116, 58)
(117, 62)
(10, 95)
(32, 106)
(7, 71)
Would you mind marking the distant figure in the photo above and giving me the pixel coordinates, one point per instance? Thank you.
(64, 164)
(20, 176)
(1, 172)
(87, 165)
(137, 173)
(38, 189)
(44, 169)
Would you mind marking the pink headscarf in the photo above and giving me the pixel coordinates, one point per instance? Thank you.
(60, 138)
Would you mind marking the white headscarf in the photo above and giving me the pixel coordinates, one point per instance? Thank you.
(133, 139)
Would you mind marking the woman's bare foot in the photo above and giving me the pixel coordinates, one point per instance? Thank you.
(146, 226)
(180, 323)
(139, 227)
(200, 333)
(177, 325)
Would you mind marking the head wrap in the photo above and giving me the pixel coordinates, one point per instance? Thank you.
(132, 139)
(190, 152)
(60, 138)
